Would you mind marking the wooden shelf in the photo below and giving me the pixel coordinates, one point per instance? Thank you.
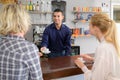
(39, 12)
(81, 35)
(82, 21)
(89, 12)
(85, 12)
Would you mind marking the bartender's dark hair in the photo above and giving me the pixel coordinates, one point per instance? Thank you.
(58, 10)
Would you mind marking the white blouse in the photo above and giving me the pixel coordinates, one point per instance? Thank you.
(106, 65)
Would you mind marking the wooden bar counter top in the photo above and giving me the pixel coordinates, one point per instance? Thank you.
(60, 67)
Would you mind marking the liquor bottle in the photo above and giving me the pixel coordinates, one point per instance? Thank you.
(49, 6)
(34, 7)
(27, 5)
(30, 6)
(37, 6)
(42, 5)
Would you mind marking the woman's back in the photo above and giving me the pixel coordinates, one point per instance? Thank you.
(107, 63)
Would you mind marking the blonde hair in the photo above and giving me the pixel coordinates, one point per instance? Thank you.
(13, 19)
(107, 27)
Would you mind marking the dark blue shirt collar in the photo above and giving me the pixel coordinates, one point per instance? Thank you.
(62, 26)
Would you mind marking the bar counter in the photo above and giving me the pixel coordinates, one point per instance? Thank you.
(60, 67)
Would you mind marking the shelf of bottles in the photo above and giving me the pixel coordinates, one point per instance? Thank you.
(40, 6)
(83, 14)
(80, 32)
(41, 9)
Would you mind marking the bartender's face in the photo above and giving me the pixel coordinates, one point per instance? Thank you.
(58, 17)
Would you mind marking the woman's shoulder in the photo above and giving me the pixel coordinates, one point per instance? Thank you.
(28, 44)
(106, 44)
(106, 47)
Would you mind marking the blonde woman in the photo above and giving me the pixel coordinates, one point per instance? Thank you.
(107, 56)
(19, 59)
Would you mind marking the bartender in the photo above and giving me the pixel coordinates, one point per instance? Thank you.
(56, 37)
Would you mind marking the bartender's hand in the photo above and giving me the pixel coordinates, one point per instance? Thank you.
(40, 54)
(42, 48)
(79, 63)
(86, 57)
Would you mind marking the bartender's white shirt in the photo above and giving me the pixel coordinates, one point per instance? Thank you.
(106, 65)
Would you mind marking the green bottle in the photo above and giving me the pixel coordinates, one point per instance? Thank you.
(30, 6)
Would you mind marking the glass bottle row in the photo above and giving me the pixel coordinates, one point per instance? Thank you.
(41, 5)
